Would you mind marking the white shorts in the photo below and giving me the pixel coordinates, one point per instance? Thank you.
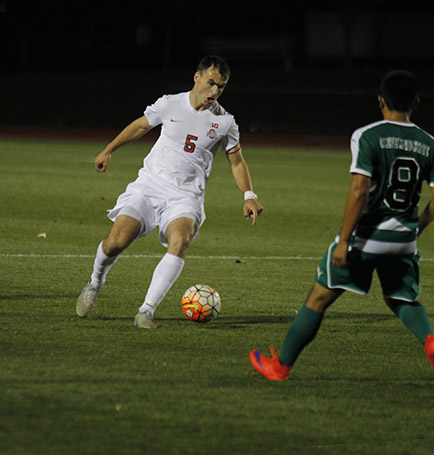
(157, 208)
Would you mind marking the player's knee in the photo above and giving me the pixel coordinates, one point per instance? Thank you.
(123, 232)
(178, 245)
(114, 244)
(318, 305)
(320, 298)
(179, 236)
(110, 248)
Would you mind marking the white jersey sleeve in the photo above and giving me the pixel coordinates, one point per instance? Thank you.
(232, 137)
(153, 112)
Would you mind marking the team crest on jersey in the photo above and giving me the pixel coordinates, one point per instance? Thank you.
(211, 133)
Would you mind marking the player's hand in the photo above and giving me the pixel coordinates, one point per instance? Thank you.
(340, 253)
(252, 209)
(102, 161)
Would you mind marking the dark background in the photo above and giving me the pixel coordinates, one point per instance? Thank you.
(297, 67)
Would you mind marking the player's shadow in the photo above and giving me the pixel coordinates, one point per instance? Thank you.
(240, 322)
(362, 317)
(247, 321)
(223, 322)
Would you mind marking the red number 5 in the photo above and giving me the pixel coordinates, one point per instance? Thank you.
(189, 144)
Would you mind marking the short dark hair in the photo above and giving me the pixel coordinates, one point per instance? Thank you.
(399, 89)
(216, 62)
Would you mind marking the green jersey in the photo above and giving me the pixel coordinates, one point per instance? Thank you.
(397, 157)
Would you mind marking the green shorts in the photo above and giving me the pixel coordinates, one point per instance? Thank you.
(398, 275)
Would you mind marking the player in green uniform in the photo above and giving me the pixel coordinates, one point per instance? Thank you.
(390, 161)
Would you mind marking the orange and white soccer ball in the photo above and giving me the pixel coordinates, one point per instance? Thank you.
(201, 303)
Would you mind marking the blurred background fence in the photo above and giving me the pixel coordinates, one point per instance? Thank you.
(311, 68)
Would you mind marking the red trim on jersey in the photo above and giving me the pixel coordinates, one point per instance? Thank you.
(234, 150)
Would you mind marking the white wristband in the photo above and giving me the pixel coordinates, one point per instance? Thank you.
(250, 195)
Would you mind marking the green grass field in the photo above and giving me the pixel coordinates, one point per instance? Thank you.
(101, 386)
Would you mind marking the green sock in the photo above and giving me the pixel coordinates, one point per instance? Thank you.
(415, 318)
(302, 331)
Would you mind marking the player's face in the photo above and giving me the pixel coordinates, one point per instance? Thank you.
(208, 86)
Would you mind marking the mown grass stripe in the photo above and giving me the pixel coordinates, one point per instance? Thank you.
(156, 256)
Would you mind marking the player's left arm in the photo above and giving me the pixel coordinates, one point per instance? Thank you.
(427, 216)
(356, 201)
(240, 171)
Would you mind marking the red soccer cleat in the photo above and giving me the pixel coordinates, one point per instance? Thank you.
(270, 368)
(429, 349)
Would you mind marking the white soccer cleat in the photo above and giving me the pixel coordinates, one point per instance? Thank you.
(144, 320)
(87, 299)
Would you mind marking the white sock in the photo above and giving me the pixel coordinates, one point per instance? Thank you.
(101, 266)
(165, 274)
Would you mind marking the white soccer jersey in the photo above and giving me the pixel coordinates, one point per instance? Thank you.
(182, 157)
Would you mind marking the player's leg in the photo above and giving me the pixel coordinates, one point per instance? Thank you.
(124, 230)
(330, 283)
(307, 322)
(414, 316)
(399, 278)
(301, 332)
(179, 233)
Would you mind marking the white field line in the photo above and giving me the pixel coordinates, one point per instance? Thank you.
(156, 256)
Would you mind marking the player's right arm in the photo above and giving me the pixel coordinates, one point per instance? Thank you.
(357, 198)
(427, 216)
(132, 132)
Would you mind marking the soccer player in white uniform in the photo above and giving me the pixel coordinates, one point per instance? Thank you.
(170, 188)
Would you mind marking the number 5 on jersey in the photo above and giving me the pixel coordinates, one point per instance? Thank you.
(189, 143)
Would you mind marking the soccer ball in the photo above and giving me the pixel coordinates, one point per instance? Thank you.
(201, 303)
